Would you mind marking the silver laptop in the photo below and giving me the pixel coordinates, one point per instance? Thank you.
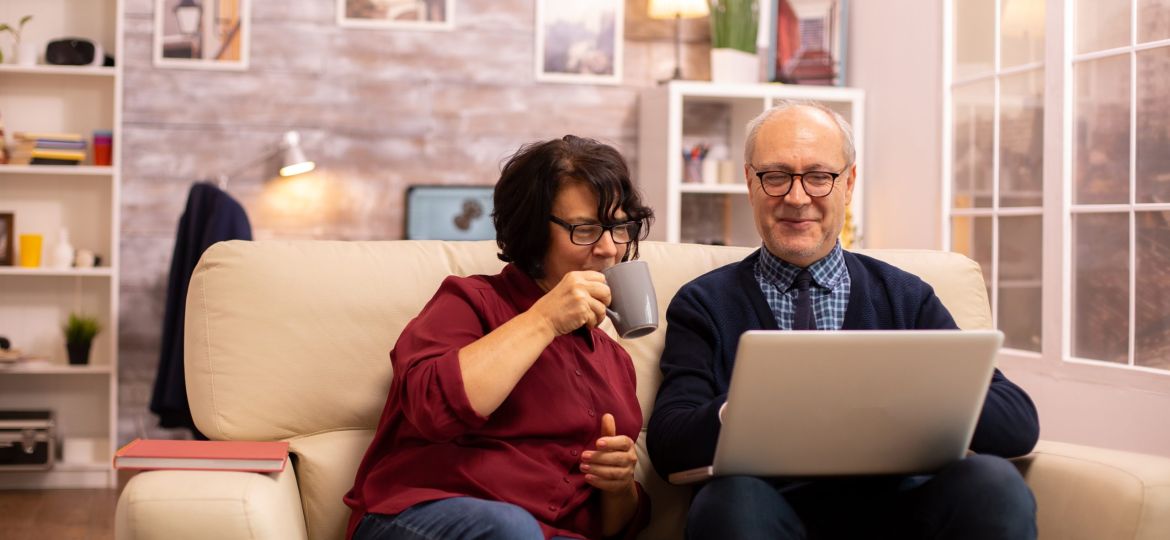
(851, 402)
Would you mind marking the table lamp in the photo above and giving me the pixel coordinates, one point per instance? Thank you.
(677, 10)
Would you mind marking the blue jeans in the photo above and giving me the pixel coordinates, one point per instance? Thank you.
(463, 518)
(978, 498)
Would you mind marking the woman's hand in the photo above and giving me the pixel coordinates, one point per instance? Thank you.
(610, 467)
(578, 300)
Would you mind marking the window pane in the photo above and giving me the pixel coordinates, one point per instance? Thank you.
(1100, 288)
(1101, 133)
(974, 31)
(1102, 24)
(1153, 20)
(1022, 32)
(973, 121)
(1153, 119)
(1021, 139)
(1152, 307)
(1020, 269)
(971, 236)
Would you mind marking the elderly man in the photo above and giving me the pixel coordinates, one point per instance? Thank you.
(800, 173)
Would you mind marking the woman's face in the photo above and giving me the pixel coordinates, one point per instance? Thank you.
(577, 204)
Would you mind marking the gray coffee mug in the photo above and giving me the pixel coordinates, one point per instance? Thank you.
(633, 307)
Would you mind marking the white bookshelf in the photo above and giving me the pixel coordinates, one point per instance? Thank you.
(705, 212)
(85, 200)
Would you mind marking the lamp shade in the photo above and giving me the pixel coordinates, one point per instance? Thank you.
(683, 9)
(188, 14)
(292, 158)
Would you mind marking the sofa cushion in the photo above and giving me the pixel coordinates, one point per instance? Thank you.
(326, 465)
(288, 338)
(176, 505)
(1089, 493)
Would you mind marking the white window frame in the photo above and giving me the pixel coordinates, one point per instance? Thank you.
(995, 211)
(1057, 210)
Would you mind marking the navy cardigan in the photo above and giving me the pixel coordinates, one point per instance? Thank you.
(707, 316)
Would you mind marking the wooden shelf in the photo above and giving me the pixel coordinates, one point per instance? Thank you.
(44, 69)
(59, 170)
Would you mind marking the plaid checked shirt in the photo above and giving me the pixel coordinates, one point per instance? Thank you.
(829, 291)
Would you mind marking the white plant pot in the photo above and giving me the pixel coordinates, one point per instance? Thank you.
(734, 66)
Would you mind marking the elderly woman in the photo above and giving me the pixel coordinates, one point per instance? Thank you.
(511, 415)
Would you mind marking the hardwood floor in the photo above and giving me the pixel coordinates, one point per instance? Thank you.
(64, 514)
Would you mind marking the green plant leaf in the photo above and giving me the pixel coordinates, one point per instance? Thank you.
(5, 28)
(734, 24)
(81, 328)
(25, 19)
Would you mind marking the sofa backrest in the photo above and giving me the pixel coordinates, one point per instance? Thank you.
(291, 340)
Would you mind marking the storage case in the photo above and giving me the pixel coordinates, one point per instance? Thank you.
(27, 440)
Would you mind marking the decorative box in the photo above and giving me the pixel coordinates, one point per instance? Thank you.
(27, 440)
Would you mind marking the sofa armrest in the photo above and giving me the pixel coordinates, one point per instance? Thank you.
(210, 504)
(1091, 493)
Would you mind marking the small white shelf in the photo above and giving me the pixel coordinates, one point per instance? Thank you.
(713, 188)
(43, 69)
(59, 170)
(44, 368)
(104, 271)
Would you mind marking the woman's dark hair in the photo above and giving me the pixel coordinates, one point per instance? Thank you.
(530, 181)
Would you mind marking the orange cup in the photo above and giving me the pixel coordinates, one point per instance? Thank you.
(30, 250)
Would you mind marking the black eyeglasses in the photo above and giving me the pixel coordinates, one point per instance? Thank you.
(587, 234)
(816, 183)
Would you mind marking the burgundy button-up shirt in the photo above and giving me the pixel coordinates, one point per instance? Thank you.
(430, 444)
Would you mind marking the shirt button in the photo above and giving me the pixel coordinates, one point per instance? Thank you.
(566, 479)
(590, 412)
(573, 453)
(577, 371)
(552, 508)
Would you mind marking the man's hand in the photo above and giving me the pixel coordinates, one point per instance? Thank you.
(610, 467)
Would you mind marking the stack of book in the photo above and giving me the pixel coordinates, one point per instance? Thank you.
(48, 149)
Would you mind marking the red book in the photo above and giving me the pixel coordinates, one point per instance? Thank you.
(250, 456)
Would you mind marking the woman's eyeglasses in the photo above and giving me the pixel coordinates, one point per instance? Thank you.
(587, 234)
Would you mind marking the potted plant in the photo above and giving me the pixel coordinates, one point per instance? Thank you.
(79, 334)
(734, 24)
(16, 50)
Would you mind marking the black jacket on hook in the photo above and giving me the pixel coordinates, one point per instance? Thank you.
(211, 216)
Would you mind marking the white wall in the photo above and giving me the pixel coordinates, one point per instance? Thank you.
(896, 55)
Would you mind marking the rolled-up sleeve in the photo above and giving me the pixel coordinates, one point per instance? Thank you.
(427, 375)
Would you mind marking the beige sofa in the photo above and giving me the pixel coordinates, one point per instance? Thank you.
(290, 341)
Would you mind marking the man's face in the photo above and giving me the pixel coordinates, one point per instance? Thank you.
(798, 228)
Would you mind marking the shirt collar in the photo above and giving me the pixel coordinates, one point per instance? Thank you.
(827, 272)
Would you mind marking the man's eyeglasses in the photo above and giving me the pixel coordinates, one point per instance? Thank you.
(815, 183)
(587, 234)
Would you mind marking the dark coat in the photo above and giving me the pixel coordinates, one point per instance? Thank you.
(211, 216)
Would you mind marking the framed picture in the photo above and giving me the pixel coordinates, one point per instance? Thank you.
(449, 213)
(7, 225)
(579, 42)
(810, 45)
(202, 34)
(404, 14)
